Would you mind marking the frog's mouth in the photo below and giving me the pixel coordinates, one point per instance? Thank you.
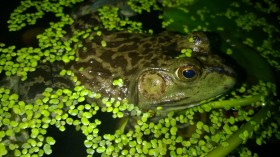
(180, 104)
(174, 105)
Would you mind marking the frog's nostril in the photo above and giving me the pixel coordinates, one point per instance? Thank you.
(222, 70)
(218, 69)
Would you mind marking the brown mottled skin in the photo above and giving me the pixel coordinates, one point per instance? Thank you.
(152, 75)
(149, 68)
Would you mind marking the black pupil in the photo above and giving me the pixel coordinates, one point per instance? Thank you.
(189, 73)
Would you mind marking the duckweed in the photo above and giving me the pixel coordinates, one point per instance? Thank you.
(185, 53)
(178, 134)
(111, 20)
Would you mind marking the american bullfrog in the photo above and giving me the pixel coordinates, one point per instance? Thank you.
(152, 74)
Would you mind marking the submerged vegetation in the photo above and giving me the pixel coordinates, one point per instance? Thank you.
(215, 128)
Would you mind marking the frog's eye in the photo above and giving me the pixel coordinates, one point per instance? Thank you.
(187, 72)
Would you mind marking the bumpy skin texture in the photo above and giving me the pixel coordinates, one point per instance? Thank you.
(153, 77)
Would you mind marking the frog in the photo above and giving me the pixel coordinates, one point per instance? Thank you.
(153, 75)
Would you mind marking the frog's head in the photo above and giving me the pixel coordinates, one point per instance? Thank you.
(184, 82)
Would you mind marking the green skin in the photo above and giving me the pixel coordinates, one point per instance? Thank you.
(152, 76)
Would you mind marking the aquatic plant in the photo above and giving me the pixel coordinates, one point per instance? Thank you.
(211, 129)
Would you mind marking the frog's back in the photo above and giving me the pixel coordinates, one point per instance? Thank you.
(124, 56)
